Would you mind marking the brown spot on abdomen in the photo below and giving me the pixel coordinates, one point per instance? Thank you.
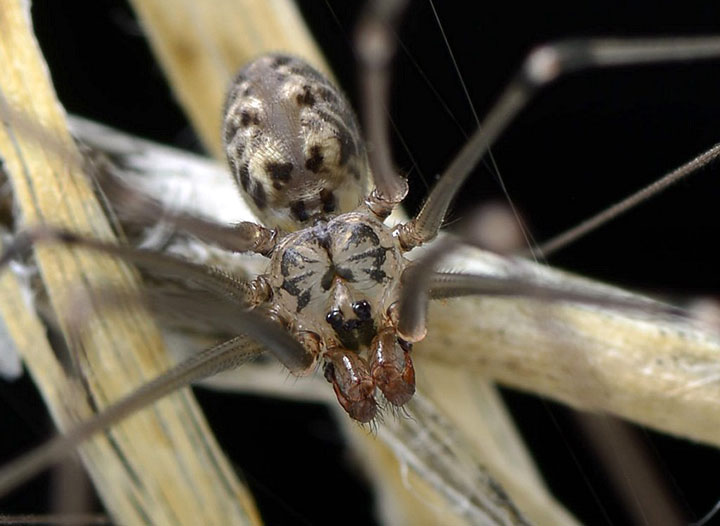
(328, 200)
(297, 208)
(279, 172)
(258, 195)
(305, 98)
(315, 161)
(248, 117)
(244, 177)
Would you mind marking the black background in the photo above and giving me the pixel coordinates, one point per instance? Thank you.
(586, 141)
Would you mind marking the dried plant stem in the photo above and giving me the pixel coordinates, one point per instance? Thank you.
(141, 481)
(655, 370)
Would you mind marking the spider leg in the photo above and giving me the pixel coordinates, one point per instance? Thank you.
(413, 302)
(220, 313)
(224, 306)
(212, 279)
(457, 284)
(541, 67)
(571, 235)
(135, 206)
(227, 355)
(421, 283)
(376, 48)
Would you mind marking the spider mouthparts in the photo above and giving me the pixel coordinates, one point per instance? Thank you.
(352, 383)
(391, 368)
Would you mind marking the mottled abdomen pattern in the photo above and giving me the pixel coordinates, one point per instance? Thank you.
(293, 143)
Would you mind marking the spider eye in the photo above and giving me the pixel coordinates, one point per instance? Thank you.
(334, 318)
(293, 144)
(362, 309)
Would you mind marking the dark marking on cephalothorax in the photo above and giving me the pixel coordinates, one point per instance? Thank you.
(306, 98)
(366, 332)
(292, 258)
(258, 195)
(315, 161)
(291, 287)
(346, 274)
(298, 210)
(289, 265)
(361, 233)
(328, 200)
(279, 172)
(348, 338)
(333, 272)
(323, 238)
(377, 275)
(289, 259)
(374, 270)
(303, 300)
(327, 280)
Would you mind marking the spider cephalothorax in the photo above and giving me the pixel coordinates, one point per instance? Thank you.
(294, 149)
(338, 281)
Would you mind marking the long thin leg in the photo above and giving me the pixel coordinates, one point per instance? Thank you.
(228, 355)
(211, 279)
(376, 49)
(413, 303)
(135, 206)
(420, 284)
(457, 284)
(541, 67)
(571, 235)
(222, 314)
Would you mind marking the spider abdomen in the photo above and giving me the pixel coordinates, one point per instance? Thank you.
(293, 143)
